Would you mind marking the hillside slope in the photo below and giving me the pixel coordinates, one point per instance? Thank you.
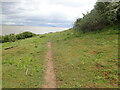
(86, 60)
(79, 60)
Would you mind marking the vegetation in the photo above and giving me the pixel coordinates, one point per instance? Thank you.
(23, 64)
(12, 37)
(104, 14)
(87, 60)
(80, 60)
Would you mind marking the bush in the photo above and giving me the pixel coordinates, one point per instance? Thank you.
(19, 36)
(12, 37)
(25, 35)
(5, 38)
(103, 14)
(28, 34)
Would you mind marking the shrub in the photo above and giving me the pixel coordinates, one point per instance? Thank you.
(25, 35)
(103, 14)
(28, 34)
(12, 37)
(5, 38)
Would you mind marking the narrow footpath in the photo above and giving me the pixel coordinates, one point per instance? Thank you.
(50, 80)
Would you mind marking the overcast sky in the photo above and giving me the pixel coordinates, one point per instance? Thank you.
(59, 13)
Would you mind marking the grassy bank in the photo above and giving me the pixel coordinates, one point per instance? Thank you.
(23, 64)
(80, 60)
(86, 60)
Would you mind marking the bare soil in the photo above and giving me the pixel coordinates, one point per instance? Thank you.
(50, 80)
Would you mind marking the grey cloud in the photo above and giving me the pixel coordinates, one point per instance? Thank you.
(9, 8)
(17, 14)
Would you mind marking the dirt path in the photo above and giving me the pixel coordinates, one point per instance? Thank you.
(50, 81)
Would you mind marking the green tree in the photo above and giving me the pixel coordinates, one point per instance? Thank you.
(103, 14)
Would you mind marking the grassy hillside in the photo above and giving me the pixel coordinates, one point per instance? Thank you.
(23, 65)
(80, 60)
(86, 60)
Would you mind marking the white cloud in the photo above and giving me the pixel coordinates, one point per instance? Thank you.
(9, 23)
(47, 11)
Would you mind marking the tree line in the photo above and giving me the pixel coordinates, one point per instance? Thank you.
(104, 14)
(12, 37)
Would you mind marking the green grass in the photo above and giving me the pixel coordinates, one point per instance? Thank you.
(25, 54)
(86, 60)
(80, 60)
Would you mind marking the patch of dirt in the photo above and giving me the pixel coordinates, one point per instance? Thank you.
(99, 66)
(50, 80)
(106, 74)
